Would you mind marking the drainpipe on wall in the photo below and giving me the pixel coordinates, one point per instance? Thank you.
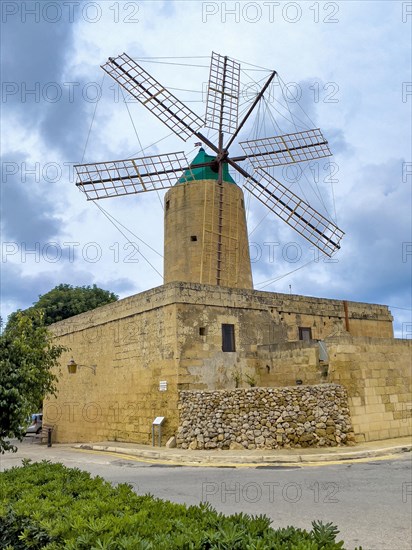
(345, 307)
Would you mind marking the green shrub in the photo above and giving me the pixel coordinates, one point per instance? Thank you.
(45, 505)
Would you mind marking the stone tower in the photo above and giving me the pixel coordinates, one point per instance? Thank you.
(205, 229)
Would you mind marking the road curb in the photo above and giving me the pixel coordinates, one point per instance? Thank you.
(210, 459)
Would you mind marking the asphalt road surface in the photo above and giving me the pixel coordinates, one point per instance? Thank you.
(370, 502)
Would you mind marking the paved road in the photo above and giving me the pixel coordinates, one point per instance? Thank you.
(371, 502)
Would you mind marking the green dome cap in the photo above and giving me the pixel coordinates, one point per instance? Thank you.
(205, 172)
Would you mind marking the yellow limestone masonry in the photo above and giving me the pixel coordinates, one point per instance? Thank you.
(173, 334)
(377, 374)
(193, 233)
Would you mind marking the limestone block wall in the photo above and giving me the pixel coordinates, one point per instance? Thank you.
(278, 317)
(285, 364)
(377, 374)
(264, 418)
(173, 333)
(263, 322)
(132, 345)
(327, 319)
(203, 364)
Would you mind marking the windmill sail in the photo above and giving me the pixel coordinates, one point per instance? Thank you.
(309, 223)
(223, 94)
(286, 149)
(146, 89)
(126, 177)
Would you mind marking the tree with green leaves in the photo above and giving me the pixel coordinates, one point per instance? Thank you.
(28, 358)
(65, 300)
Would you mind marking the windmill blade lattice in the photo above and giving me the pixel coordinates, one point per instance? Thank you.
(286, 149)
(223, 94)
(146, 89)
(314, 227)
(125, 177)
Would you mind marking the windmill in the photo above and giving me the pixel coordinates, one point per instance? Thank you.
(205, 225)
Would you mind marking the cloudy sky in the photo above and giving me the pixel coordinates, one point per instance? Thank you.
(343, 66)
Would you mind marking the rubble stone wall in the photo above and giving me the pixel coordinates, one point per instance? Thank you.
(265, 418)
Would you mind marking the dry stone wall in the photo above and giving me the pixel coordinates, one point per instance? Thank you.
(265, 418)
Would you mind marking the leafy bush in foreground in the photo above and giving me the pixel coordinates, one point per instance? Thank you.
(45, 505)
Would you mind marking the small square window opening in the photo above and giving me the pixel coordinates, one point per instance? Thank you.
(305, 333)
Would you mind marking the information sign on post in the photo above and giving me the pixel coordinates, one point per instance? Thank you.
(158, 421)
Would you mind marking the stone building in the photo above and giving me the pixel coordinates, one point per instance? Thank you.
(207, 329)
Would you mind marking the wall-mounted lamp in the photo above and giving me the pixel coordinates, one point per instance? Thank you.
(72, 367)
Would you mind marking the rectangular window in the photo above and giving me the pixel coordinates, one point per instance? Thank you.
(228, 337)
(305, 334)
(202, 331)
